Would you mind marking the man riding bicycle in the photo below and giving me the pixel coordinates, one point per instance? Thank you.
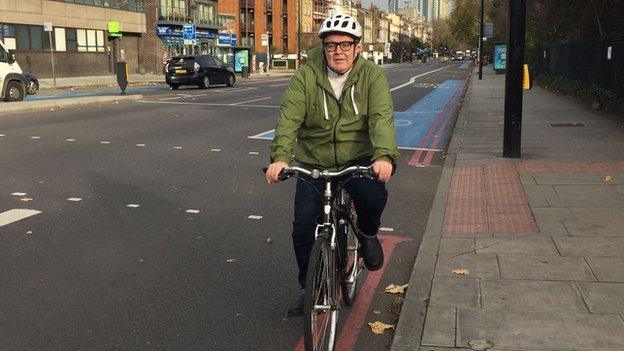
(339, 112)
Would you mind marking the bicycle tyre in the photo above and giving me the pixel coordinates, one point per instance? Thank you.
(351, 266)
(320, 326)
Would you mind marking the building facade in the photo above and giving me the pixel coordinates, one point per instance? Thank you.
(277, 20)
(78, 36)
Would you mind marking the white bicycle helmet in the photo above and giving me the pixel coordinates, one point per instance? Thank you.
(341, 24)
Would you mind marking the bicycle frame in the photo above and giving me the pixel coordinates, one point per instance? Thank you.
(329, 215)
(330, 255)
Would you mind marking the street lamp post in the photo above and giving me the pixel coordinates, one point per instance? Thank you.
(481, 44)
(431, 40)
(299, 33)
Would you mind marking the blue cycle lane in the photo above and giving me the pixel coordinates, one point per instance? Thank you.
(424, 127)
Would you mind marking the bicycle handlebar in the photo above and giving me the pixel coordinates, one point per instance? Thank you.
(361, 171)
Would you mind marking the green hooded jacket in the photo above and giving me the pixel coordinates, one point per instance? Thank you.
(330, 134)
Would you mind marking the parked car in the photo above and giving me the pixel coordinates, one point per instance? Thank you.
(200, 70)
(32, 84)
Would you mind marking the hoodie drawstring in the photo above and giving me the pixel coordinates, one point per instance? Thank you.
(357, 112)
(353, 101)
(325, 105)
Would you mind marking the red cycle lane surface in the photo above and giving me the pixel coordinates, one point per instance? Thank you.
(357, 314)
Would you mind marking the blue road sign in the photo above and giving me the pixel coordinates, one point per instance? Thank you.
(189, 32)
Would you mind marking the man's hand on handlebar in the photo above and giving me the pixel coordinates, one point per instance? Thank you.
(383, 170)
(275, 168)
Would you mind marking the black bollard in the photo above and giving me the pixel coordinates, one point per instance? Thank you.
(122, 76)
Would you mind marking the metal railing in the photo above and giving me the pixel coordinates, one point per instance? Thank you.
(127, 5)
(171, 13)
(597, 61)
(180, 14)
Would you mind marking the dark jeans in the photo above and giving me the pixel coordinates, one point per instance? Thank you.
(369, 198)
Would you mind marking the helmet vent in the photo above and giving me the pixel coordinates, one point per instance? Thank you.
(345, 24)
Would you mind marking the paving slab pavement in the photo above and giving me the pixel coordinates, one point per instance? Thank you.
(542, 236)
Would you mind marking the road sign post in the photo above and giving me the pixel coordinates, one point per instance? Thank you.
(47, 26)
(265, 41)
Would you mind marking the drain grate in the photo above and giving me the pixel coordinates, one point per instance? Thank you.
(567, 125)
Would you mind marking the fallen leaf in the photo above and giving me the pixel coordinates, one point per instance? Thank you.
(379, 327)
(376, 312)
(29, 232)
(269, 241)
(608, 179)
(231, 260)
(26, 199)
(395, 289)
(480, 345)
(462, 271)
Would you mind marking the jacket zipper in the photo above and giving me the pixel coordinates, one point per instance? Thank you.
(335, 128)
(334, 137)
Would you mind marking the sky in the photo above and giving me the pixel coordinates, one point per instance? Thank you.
(382, 4)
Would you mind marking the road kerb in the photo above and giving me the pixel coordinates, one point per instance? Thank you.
(39, 105)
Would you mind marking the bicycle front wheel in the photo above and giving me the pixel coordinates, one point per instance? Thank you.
(351, 269)
(320, 313)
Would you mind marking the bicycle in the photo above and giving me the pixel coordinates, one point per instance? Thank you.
(334, 259)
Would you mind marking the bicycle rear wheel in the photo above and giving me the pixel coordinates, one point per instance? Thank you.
(320, 311)
(351, 268)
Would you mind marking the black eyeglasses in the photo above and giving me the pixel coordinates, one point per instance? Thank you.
(344, 45)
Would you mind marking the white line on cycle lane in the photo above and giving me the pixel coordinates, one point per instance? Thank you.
(16, 214)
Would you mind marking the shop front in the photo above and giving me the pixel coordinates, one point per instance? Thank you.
(171, 36)
(227, 50)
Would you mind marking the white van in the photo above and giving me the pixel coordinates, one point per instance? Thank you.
(12, 81)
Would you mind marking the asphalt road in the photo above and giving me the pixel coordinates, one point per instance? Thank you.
(152, 220)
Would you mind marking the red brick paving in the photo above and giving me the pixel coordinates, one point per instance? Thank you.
(490, 199)
(487, 199)
(570, 167)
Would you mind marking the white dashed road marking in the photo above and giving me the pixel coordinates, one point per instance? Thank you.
(105, 142)
(215, 150)
(74, 199)
(18, 194)
(192, 211)
(35, 137)
(178, 147)
(248, 101)
(140, 145)
(385, 229)
(15, 215)
(132, 205)
(254, 153)
(254, 217)
(70, 140)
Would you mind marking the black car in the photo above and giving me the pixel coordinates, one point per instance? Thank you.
(200, 70)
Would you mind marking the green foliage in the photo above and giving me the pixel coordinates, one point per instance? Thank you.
(464, 22)
(587, 90)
